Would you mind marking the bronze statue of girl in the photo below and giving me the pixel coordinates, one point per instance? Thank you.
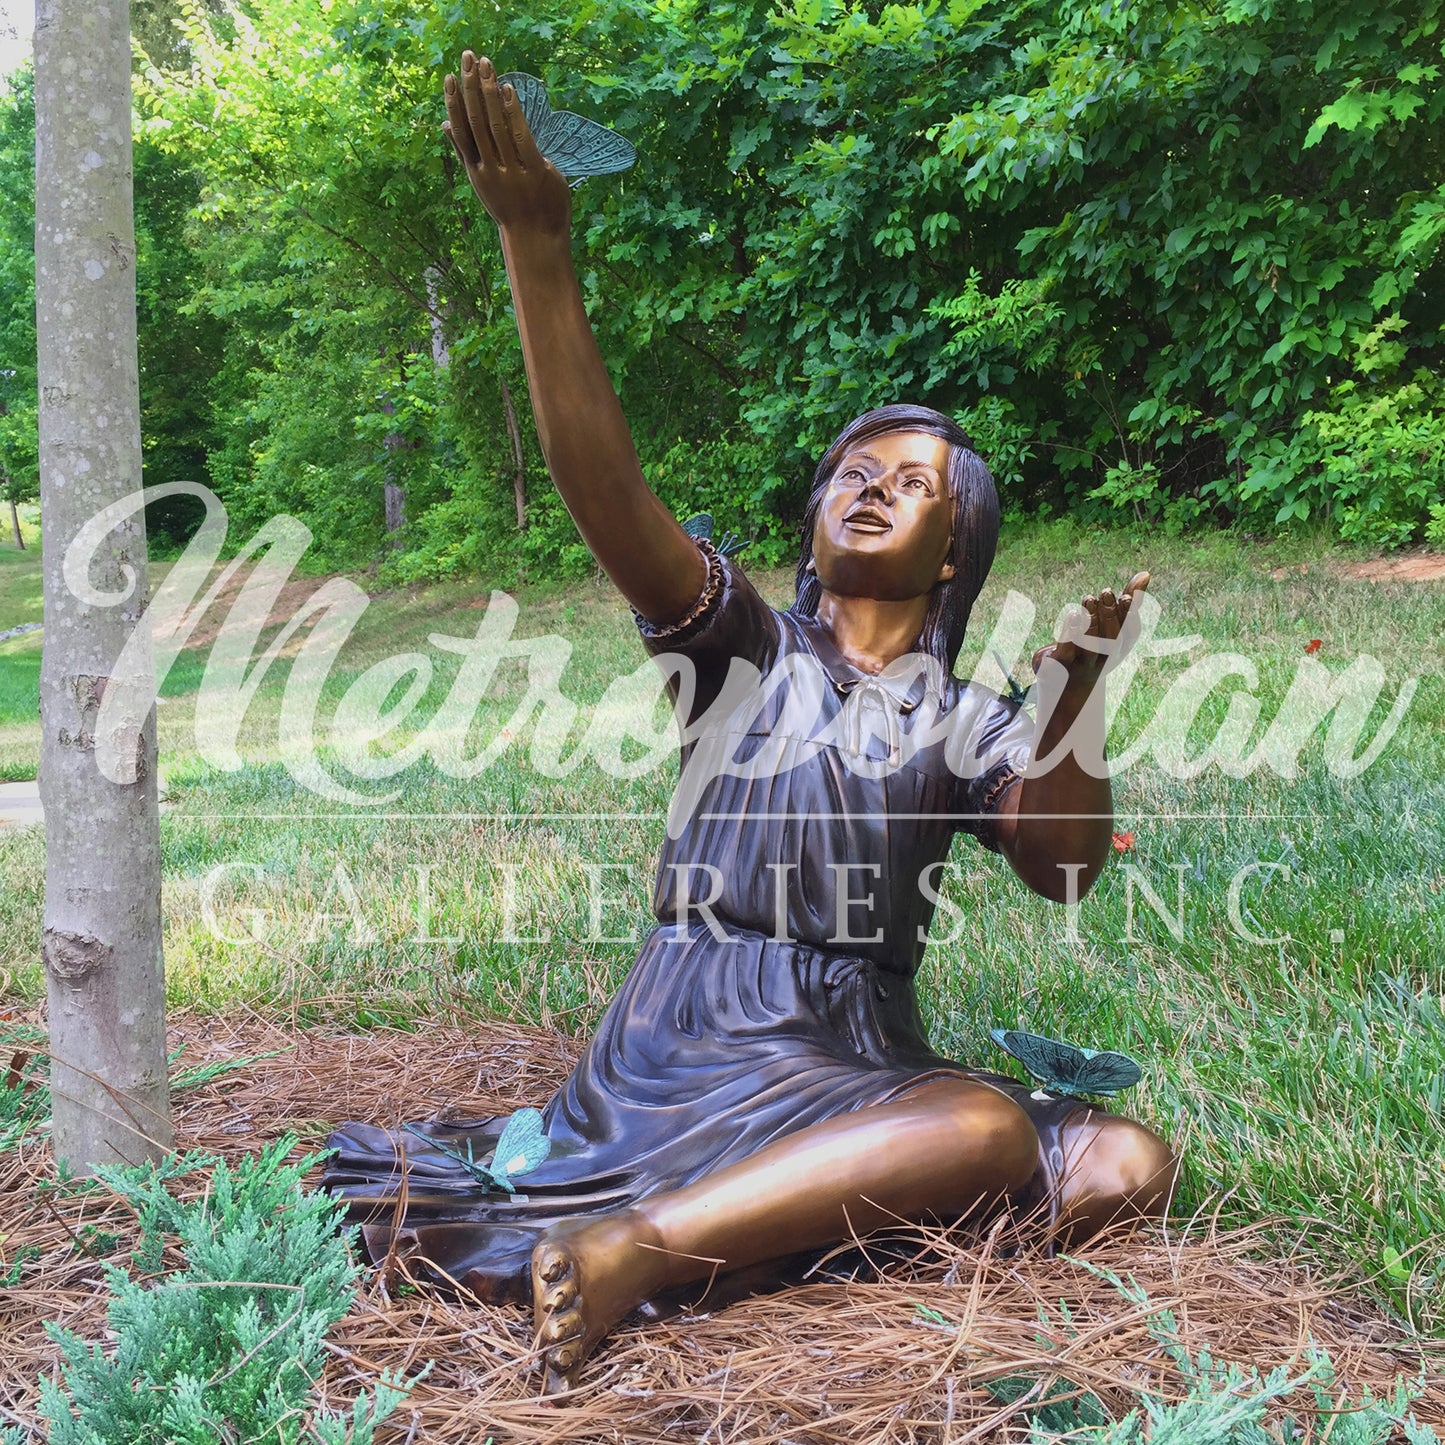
(762, 1086)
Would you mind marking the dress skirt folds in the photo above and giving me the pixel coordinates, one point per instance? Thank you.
(802, 864)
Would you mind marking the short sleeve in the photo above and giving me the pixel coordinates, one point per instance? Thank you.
(994, 760)
(729, 621)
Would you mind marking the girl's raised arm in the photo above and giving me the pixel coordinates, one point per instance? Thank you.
(584, 435)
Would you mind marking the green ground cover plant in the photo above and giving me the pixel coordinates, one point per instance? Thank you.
(1224, 1403)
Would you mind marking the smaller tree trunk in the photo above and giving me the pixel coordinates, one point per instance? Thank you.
(395, 502)
(15, 523)
(440, 352)
(519, 475)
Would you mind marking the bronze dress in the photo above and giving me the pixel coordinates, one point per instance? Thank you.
(747, 1015)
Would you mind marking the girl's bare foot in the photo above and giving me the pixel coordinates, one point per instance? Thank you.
(587, 1274)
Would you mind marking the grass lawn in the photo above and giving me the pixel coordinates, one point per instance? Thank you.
(20, 603)
(1289, 1017)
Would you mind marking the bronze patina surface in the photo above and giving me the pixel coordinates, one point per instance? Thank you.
(762, 1085)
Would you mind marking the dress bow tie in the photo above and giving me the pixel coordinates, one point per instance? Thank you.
(868, 698)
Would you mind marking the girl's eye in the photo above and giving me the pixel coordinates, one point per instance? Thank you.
(915, 482)
(851, 475)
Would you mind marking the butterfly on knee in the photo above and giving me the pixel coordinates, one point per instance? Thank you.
(1067, 1069)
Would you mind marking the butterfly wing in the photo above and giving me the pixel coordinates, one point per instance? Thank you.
(1064, 1069)
(578, 147)
(1106, 1072)
(699, 525)
(532, 96)
(522, 1147)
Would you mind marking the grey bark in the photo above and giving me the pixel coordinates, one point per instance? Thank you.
(394, 497)
(441, 354)
(101, 941)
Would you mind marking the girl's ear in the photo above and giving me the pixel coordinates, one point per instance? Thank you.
(811, 567)
(947, 572)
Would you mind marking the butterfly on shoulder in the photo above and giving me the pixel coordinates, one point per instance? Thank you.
(578, 147)
(728, 544)
(1066, 1069)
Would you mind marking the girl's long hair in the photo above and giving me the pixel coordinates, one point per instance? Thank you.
(975, 522)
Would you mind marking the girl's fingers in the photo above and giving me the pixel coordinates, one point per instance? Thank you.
(476, 108)
(457, 126)
(496, 122)
(519, 132)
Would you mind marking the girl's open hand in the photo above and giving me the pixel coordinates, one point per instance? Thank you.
(523, 192)
(1108, 617)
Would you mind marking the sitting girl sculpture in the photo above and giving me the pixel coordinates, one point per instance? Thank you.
(761, 1086)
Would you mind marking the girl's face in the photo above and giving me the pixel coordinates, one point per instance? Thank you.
(885, 526)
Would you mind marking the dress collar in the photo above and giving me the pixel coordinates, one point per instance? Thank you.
(870, 698)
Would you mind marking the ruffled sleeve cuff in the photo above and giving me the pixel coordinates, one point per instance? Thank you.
(663, 637)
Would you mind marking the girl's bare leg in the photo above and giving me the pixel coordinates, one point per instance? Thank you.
(948, 1148)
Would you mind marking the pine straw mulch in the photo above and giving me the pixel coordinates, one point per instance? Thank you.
(825, 1362)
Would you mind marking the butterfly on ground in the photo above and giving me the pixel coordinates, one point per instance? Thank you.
(728, 544)
(1065, 1069)
(521, 1148)
(578, 147)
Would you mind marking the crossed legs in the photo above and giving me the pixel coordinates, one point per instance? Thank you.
(950, 1148)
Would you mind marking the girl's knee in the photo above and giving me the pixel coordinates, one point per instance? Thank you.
(1115, 1171)
(983, 1130)
(1001, 1133)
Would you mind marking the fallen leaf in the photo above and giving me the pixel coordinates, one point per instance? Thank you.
(1313, 646)
(1124, 842)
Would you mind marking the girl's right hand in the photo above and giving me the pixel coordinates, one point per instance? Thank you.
(523, 193)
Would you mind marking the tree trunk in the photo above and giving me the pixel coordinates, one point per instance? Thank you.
(394, 500)
(441, 354)
(393, 494)
(5, 483)
(519, 475)
(101, 942)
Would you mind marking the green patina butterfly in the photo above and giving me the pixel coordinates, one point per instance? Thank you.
(521, 1148)
(700, 524)
(578, 147)
(1016, 694)
(1064, 1069)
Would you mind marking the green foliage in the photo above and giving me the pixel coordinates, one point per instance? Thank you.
(228, 1345)
(19, 462)
(1222, 1403)
(24, 1096)
(1373, 460)
(1141, 251)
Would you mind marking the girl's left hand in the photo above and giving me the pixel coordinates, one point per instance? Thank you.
(1107, 616)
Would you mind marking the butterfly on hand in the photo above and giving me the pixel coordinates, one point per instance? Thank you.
(578, 147)
(1066, 1069)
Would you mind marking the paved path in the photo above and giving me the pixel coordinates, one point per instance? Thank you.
(20, 803)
